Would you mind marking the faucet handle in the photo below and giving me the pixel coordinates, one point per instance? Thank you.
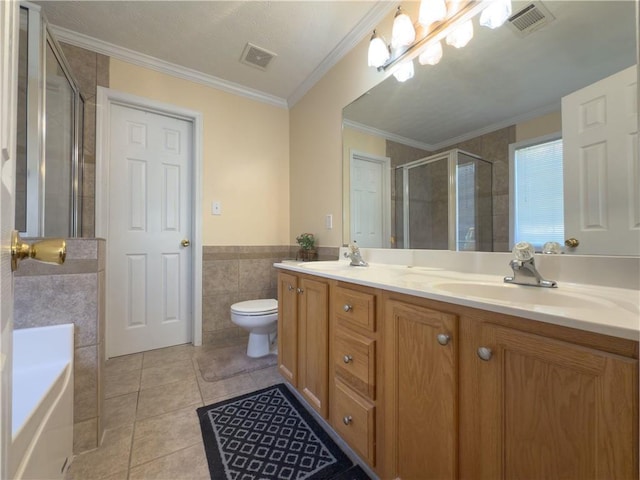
(523, 251)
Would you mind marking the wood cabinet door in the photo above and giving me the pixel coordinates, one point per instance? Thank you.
(551, 409)
(288, 327)
(313, 354)
(420, 392)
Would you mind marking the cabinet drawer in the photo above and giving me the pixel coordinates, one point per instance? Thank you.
(354, 361)
(353, 419)
(353, 308)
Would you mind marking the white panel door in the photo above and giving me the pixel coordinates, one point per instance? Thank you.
(601, 169)
(370, 200)
(149, 268)
(9, 25)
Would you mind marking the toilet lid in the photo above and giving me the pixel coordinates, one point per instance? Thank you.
(256, 307)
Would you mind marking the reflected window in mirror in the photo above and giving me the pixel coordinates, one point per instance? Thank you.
(537, 195)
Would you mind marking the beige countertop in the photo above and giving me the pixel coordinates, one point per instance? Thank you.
(605, 310)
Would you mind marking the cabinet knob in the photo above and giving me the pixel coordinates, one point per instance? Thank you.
(290, 288)
(300, 290)
(347, 308)
(443, 339)
(347, 420)
(347, 359)
(485, 353)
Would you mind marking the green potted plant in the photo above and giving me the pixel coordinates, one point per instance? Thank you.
(307, 243)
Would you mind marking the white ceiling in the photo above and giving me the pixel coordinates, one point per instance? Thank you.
(208, 37)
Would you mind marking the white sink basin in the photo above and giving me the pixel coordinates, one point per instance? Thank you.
(523, 295)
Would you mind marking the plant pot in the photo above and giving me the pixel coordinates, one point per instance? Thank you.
(306, 255)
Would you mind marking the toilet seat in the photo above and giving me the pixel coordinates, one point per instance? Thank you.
(255, 307)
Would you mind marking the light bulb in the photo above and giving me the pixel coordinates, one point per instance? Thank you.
(431, 55)
(496, 13)
(402, 33)
(404, 71)
(461, 35)
(378, 51)
(432, 11)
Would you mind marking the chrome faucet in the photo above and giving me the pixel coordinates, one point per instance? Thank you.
(524, 268)
(354, 255)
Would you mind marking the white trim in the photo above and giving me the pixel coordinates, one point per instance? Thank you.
(386, 192)
(364, 27)
(386, 135)
(147, 61)
(105, 98)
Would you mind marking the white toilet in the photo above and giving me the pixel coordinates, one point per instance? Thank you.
(260, 318)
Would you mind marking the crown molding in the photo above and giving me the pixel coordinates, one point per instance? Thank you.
(147, 61)
(377, 13)
(387, 135)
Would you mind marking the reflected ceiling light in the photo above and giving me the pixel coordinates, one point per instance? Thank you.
(404, 71)
(432, 11)
(461, 35)
(403, 33)
(378, 51)
(431, 55)
(496, 14)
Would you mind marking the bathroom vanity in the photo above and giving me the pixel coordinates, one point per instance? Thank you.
(424, 378)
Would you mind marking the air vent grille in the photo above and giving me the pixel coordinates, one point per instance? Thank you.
(256, 56)
(530, 18)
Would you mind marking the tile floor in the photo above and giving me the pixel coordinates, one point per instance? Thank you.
(151, 426)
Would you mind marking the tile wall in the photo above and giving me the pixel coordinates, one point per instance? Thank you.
(233, 274)
(89, 70)
(71, 293)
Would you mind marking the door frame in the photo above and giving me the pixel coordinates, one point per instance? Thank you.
(107, 97)
(385, 162)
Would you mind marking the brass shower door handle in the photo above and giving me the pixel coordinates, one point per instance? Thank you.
(185, 243)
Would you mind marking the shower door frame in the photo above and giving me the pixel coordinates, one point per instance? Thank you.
(451, 157)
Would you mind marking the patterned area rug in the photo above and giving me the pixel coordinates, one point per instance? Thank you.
(269, 435)
(224, 362)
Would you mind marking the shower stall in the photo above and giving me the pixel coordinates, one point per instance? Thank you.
(444, 202)
(49, 134)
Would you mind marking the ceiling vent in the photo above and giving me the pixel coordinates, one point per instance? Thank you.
(529, 19)
(256, 56)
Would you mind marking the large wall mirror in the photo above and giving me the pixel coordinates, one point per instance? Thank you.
(452, 124)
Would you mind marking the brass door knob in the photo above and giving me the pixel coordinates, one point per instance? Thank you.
(572, 242)
(50, 250)
(185, 243)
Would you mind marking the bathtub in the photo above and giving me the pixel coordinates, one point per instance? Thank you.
(42, 402)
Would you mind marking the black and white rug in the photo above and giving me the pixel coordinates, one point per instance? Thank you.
(268, 435)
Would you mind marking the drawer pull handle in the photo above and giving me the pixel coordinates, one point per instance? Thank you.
(347, 359)
(347, 308)
(347, 420)
(300, 290)
(485, 353)
(290, 288)
(443, 339)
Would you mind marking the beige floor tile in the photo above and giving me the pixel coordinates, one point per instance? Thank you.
(223, 389)
(167, 373)
(112, 457)
(125, 363)
(164, 356)
(121, 383)
(161, 435)
(165, 398)
(120, 410)
(187, 464)
(266, 377)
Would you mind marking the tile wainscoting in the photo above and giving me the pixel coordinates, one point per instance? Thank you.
(233, 274)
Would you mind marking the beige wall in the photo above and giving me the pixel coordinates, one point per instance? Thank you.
(540, 126)
(245, 156)
(316, 144)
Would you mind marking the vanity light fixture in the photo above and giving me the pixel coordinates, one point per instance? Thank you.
(378, 51)
(456, 26)
(403, 32)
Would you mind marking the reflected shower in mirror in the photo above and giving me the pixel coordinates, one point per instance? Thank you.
(504, 88)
